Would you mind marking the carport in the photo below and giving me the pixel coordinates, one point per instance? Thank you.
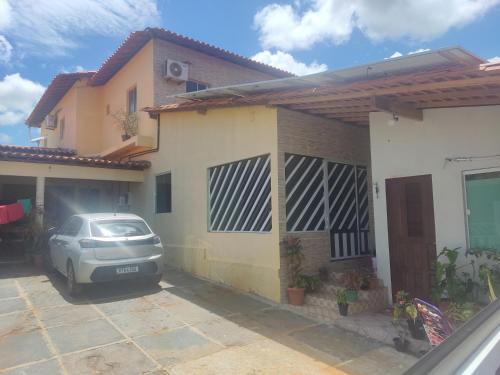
(59, 183)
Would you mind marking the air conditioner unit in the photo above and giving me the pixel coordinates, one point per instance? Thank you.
(175, 71)
(50, 122)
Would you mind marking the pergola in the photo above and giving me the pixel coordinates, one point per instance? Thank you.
(404, 89)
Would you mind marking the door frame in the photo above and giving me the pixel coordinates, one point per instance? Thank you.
(431, 203)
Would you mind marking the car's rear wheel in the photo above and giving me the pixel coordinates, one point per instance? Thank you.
(73, 287)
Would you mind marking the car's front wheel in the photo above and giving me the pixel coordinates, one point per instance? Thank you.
(73, 287)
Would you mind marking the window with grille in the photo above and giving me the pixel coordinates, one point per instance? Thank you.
(164, 193)
(240, 196)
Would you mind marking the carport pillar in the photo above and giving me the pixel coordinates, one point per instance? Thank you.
(40, 198)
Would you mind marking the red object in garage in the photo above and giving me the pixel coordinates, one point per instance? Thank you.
(11, 212)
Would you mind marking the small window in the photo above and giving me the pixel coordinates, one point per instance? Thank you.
(164, 193)
(192, 86)
(62, 125)
(132, 100)
(483, 210)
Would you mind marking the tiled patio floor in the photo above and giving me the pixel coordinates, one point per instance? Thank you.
(184, 326)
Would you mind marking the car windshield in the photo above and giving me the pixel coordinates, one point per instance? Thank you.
(119, 228)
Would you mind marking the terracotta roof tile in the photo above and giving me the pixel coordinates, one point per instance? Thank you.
(130, 46)
(64, 156)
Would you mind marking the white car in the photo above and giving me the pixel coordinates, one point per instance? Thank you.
(90, 248)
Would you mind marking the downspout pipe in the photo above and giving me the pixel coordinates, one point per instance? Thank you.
(156, 149)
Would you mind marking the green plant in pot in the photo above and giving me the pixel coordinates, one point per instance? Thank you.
(342, 301)
(352, 282)
(293, 252)
(403, 307)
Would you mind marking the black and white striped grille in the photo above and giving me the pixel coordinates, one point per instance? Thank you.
(348, 210)
(240, 196)
(304, 186)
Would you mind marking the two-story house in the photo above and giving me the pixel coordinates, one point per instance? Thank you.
(98, 113)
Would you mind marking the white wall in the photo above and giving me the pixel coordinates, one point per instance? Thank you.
(414, 148)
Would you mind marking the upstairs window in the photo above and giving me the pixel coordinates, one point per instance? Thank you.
(192, 86)
(164, 193)
(132, 100)
(62, 125)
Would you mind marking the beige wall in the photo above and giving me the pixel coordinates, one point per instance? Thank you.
(414, 148)
(308, 135)
(137, 72)
(202, 68)
(190, 143)
(66, 108)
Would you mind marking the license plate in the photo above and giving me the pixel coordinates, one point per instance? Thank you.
(127, 269)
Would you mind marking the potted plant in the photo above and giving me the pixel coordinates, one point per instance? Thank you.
(128, 123)
(352, 282)
(311, 283)
(342, 301)
(295, 258)
(404, 307)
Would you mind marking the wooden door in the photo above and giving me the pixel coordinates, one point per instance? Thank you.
(412, 235)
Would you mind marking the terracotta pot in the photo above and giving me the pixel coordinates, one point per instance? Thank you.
(343, 308)
(296, 296)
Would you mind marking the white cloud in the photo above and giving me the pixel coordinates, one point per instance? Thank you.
(5, 50)
(18, 96)
(287, 62)
(420, 50)
(306, 23)
(5, 138)
(495, 59)
(53, 26)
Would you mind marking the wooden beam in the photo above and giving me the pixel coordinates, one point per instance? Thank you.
(459, 103)
(333, 104)
(385, 104)
(359, 109)
(407, 88)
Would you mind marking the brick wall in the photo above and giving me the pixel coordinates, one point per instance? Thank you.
(202, 68)
(309, 135)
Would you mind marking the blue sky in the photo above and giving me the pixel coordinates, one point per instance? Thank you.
(40, 39)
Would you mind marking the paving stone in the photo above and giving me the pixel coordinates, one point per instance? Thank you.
(12, 304)
(263, 357)
(68, 315)
(22, 348)
(112, 307)
(177, 345)
(8, 291)
(84, 335)
(277, 321)
(228, 333)
(139, 323)
(378, 362)
(50, 367)
(337, 342)
(16, 323)
(238, 303)
(190, 313)
(122, 358)
(50, 298)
